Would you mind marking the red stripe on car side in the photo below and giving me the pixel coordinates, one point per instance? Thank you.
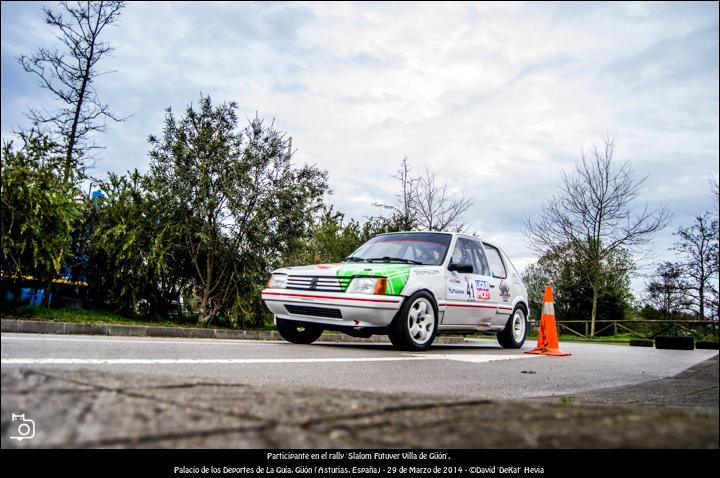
(329, 297)
(469, 305)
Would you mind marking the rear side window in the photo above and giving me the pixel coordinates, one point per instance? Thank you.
(470, 252)
(496, 264)
(481, 264)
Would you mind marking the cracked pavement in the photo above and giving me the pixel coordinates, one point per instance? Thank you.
(90, 409)
(86, 407)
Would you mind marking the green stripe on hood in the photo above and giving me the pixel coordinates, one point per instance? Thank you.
(396, 274)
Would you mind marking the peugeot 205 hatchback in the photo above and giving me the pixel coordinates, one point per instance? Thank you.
(407, 285)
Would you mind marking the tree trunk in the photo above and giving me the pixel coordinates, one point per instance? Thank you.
(16, 291)
(593, 315)
(701, 293)
(203, 312)
(47, 292)
(72, 139)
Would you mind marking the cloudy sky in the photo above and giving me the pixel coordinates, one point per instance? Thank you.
(497, 98)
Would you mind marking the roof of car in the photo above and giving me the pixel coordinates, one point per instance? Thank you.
(419, 232)
(469, 236)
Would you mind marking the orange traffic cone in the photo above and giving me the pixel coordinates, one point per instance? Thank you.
(547, 336)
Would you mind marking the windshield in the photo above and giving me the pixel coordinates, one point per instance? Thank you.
(412, 248)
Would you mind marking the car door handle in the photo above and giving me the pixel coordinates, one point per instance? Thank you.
(492, 286)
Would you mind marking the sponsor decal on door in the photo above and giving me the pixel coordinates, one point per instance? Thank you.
(482, 289)
(504, 291)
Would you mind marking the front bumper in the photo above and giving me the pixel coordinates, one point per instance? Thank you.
(333, 308)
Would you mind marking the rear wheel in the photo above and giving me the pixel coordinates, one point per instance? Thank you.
(513, 335)
(415, 326)
(298, 332)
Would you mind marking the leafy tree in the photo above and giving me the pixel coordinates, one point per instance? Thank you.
(698, 245)
(668, 291)
(69, 75)
(38, 213)
(241, 203)
(132, 248)
(563, 269)
(535, 277)
(330, 239)
(713, 309)
(593, 213)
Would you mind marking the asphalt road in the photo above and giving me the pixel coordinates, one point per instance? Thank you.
(91, 391)
(480, 370)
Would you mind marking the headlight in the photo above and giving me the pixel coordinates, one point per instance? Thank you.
(277, 281)
(367, 285)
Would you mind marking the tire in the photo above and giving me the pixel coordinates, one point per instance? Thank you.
(298, 332)
(674, 343)
(515, 331)
(707, 345)
(415, 325)
(640, 343)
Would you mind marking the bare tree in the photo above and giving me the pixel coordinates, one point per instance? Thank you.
(436, 208)
(699, 246)
(424, 203)
(593, 214)
(402, 212)
(69, 74)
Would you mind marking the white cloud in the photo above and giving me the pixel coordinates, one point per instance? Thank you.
(497, 97)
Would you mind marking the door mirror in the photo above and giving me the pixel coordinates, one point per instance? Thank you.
(463, 268)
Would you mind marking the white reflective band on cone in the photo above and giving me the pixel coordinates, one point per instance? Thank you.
(548, 308)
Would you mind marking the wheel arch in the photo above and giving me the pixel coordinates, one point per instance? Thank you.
(429, 291)
(520, 302)
(398, 331)
(407, 297)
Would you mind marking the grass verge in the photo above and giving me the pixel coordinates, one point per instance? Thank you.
(106, 317)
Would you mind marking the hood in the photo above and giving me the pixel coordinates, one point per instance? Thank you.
(397, 274)
(312, 270)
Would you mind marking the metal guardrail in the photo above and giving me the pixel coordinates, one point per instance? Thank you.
(649, 326)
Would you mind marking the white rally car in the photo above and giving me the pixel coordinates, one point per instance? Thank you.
(408, 285)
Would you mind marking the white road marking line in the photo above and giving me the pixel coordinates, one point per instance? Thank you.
(79, 361)
(72, 361)
(142, 340)
(477, 358)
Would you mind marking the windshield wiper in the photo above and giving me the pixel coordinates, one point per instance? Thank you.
(356, 258)
(387, 259)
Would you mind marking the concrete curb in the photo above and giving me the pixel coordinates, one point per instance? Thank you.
(46, 327)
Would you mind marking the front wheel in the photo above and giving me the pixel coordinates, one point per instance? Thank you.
(298, 332)
(415, 326)
(513, 335)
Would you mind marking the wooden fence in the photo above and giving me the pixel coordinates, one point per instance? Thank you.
(641, 328)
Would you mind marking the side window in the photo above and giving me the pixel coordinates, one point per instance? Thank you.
(496, 264)
(463, 254)
(471, 252)
(481, 263)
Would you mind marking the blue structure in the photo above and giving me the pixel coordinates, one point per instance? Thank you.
(70, 286)
(28, 296)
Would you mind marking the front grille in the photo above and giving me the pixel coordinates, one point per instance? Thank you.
(314, 311)
(321, 283)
